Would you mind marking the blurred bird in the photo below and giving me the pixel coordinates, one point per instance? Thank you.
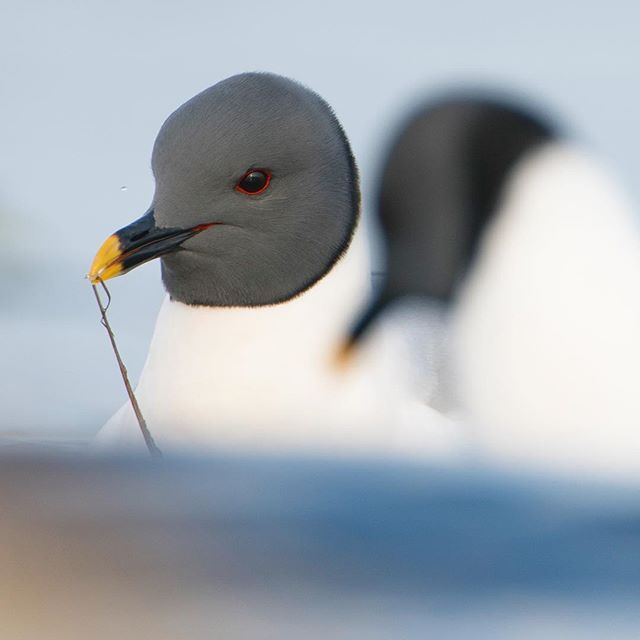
(255, 219)
(534, 250)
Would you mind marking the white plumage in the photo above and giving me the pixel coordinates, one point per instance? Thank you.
(263, 378)
(547, 326)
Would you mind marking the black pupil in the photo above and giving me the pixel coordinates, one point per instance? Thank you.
(253, 181)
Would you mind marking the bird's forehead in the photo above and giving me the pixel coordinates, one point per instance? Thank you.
(237, 124)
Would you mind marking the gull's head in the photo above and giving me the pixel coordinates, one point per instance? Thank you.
(256, 196)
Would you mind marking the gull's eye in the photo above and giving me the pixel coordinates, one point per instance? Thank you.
(253, 182)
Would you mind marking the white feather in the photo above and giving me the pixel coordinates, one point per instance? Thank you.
(547, 330)
(263, 378)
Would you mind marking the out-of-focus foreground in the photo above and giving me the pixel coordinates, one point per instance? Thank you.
(256, 548)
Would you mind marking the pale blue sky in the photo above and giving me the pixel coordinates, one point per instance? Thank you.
(85, 86)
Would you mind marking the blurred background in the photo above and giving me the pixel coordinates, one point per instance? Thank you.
(86, 85)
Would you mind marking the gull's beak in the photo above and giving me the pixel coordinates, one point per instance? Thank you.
(136, 244)
(347, 350)
(344, 355)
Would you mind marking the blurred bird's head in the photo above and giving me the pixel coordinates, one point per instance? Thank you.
(440, 184)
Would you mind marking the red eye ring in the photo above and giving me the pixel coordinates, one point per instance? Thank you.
(254, 182)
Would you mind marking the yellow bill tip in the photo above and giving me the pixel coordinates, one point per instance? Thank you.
(343, 356)
(106, 263)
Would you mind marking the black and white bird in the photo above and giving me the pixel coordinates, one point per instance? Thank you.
(256, 220)
(533, 248)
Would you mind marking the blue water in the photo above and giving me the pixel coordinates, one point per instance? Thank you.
(344, 549)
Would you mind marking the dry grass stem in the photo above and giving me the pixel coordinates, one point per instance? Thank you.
(148, 438)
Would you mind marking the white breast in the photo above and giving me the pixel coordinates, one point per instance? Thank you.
(548, 325)
(263, 378)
